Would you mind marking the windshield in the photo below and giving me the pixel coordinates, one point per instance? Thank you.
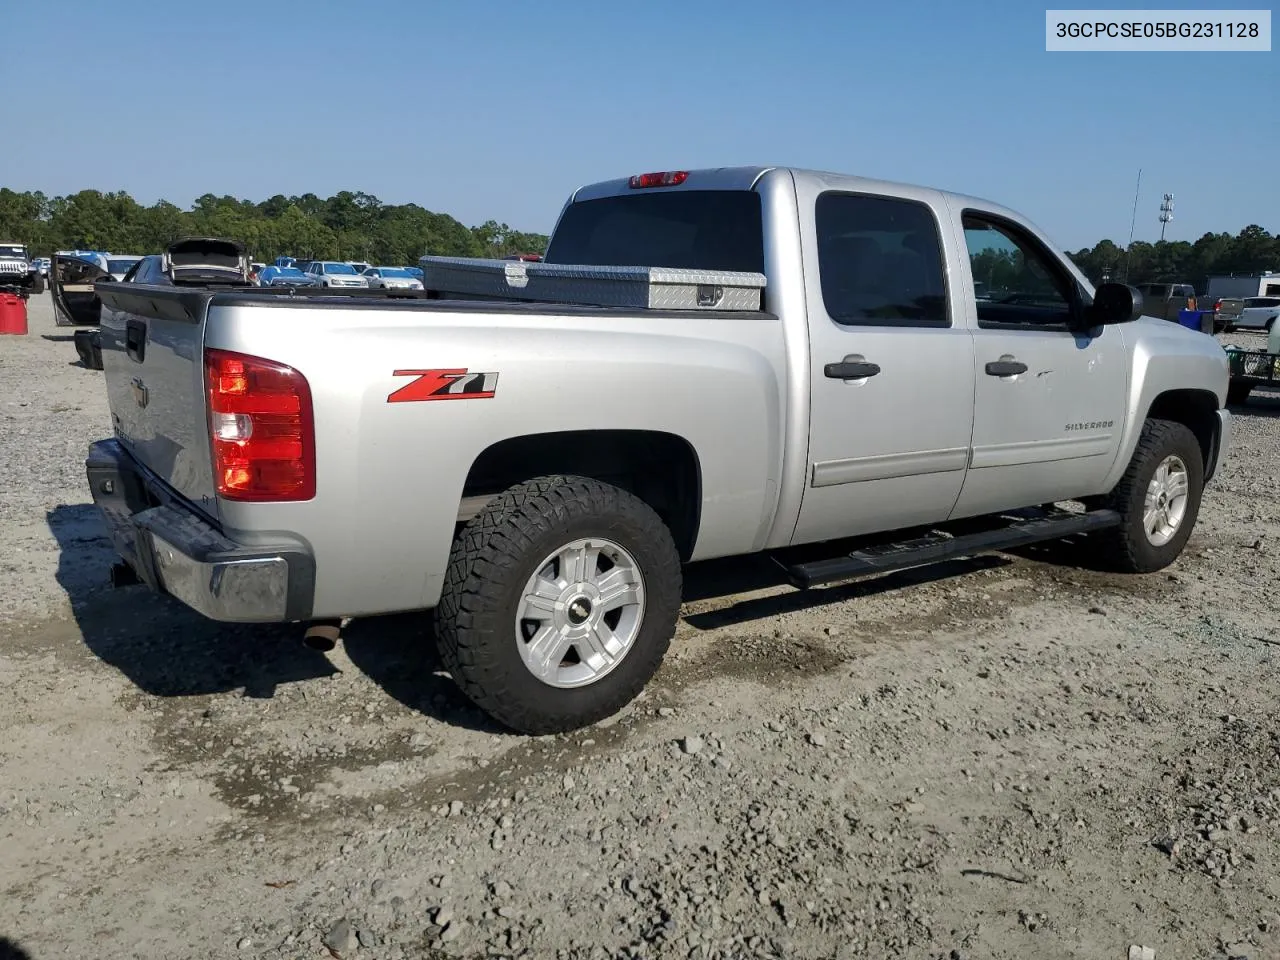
(395, 272)
(121, 265)
(689, 229)
(339, 268)
(14, 250)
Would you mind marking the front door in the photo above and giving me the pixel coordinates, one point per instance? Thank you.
(71, 281)
(1049, 403)
(891, 382)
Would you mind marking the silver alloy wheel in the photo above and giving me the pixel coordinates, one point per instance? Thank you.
(1166, 501)
(580, 612)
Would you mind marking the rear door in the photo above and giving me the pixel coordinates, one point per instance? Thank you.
(891, 382)
(75, 302)
(1049, 404)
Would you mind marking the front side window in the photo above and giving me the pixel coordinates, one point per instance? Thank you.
(1015, 280)
(880, 261)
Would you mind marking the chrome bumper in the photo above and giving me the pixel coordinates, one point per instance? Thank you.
(176, 551)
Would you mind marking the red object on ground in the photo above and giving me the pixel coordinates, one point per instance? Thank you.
(13, 314)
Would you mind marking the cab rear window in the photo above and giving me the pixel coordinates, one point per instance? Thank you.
(683, 229)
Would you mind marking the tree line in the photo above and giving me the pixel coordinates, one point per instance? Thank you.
(1252, 250)
(358, 226)
(346, 226)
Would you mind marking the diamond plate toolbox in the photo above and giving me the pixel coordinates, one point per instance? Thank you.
(659, 288)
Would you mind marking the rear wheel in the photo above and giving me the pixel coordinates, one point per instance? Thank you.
(559, 603)
(1158, 500)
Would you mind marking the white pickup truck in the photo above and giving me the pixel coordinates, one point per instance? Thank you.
(814, 366)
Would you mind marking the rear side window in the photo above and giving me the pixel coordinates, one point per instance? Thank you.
(880, 261)
(684, 229)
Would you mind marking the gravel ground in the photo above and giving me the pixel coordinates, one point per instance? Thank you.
(1009, 757)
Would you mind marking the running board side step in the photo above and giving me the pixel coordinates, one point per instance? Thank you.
(936, 547)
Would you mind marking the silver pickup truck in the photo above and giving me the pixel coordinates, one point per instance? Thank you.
(539, 473)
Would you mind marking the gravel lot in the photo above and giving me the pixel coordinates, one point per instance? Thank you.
(1011, 757)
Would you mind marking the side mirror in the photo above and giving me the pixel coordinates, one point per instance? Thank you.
(1113, 303)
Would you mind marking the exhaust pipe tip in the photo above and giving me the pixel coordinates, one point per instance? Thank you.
(323, 635)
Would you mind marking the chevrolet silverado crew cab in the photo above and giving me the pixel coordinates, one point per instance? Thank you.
(707, 363)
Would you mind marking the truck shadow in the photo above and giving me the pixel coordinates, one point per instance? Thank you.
(1259, 404)
(10, 950)
(163, 648)
(398, 653)
(167, 650)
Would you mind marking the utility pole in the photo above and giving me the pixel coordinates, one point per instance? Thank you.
(1166, 214)
(1132, 223)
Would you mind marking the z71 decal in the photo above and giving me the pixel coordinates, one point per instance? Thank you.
(444, 385)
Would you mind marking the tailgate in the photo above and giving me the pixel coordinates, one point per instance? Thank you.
(152, 350)
(1230, 308)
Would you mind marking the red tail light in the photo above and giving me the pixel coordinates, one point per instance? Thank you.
(260, 428)
(669, 179)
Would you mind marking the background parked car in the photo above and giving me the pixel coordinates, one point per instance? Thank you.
(1258, 313)
(392, 278)
(119, 264)
(332, 273)
(1165, 301)
(274, 276)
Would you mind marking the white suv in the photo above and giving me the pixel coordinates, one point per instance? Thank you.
(331, 273)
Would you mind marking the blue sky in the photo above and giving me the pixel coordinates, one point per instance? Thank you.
(499, 109)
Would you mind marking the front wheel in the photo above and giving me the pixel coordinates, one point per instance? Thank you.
(559, 603)
(1158, 500)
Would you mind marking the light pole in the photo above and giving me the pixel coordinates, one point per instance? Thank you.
(1166, 214)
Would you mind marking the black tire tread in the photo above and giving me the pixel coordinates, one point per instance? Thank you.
(1125, 546)
(483, 559)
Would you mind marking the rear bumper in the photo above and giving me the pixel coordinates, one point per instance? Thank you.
(176, 551)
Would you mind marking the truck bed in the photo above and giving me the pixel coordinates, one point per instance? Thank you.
(391, 473)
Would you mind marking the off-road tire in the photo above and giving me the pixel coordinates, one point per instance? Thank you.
(1126, 548)
(37, 285)
(489, 564)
